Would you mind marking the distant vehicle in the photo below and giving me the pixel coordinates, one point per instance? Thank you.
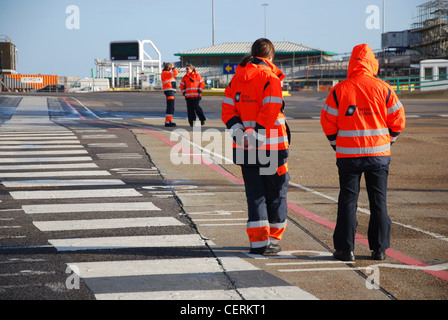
(52, 88)
(88, 89)
(101, 84)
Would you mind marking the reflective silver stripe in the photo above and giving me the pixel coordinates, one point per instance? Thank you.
(235, 127)
(272, 100)
(278, 225)
(257, 224)
(363, 133)
(280, 121)
(330, 110)
(259, 136)
(191, 94)
(394, 108)
(228, 101)
(171, 80)
(169, 89)
(249, 124)
(277, 140)
(259, 244)
(363, 150)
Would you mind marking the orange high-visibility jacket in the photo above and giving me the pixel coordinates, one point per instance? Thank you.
(168, 77)
(253, 105)
(192, 85)
(362, 115)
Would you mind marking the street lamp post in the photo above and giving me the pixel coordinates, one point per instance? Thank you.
(213, 22)
(265, 5)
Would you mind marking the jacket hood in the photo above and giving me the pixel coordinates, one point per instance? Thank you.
(362, 61)
(256, 65)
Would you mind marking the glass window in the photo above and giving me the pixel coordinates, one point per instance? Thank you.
(442, 73)
(428, 73)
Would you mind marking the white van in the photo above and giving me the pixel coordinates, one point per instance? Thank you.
(90, 85)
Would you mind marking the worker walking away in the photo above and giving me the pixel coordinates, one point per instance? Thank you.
(252, 110)
(192, 86)
(169, 74)
(361, 118)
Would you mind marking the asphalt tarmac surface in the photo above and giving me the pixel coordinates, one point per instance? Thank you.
(203, 192)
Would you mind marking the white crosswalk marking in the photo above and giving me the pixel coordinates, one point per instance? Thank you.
(70, 194)
(89, 207)
(61, 183)
(41, 152)
(160, 267)
(106, 223)
(39, 146)
(46, 159)
(21, 167)
(40, 142)
(49, 174)
(20, 138)
(163, 241)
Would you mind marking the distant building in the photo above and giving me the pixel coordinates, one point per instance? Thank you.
(430, 30)
(427, 39)
(8, 55)
(434, 72)
(233, 52)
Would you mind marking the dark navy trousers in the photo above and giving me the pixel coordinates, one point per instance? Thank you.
(376, 170)
(267, 205)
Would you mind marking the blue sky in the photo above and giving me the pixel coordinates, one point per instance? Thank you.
(46, 46)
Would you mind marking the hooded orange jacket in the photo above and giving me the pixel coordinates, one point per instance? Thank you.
(168, 79)
(253, 104)
(192, 85)
(362, 115)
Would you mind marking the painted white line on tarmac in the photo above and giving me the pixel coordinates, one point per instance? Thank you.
(40, 152)
(48, 166)
(50, 174)
(105, 243)
(99, 136)
(66, 225)
(45, 159)
(29, 137)
(107, 145)
(172, 295)
(27, 273)
(34, 134)
(89, 207)
(45, 146)
(87, 109)
(20, 142)
(71, 194)
(160, 266)
(436, 267)
(61, 183)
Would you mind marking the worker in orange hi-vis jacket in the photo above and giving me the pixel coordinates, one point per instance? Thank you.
(252, 110)
(192, 85)
(362, 118)
(168, 76)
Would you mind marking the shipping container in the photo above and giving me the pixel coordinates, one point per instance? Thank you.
(27, 82)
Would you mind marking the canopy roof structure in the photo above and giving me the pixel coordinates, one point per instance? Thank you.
(242, 48)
